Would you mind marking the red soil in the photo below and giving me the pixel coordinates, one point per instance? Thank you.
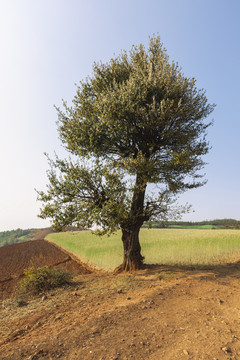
(160, 313)
(15, 258)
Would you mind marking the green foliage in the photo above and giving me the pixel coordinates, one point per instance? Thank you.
(14, 236)
(38, 280)
(137, 120)
(211, 224)
(84, 196)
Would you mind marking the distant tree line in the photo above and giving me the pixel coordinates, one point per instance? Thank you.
(14, 236)
(217, 223)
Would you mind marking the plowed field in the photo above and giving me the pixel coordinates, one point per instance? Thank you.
(15, 258)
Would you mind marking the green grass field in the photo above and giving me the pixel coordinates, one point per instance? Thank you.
(194, 227)
(159, 246)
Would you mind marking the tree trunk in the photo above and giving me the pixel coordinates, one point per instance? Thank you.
(133, 260)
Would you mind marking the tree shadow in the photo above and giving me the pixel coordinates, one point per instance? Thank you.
(210, 272)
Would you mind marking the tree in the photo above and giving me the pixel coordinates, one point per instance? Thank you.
(137, 120)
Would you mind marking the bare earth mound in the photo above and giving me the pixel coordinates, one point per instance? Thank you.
(160, 313)
(15, 258)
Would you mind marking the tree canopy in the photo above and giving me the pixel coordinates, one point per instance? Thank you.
(137, 120)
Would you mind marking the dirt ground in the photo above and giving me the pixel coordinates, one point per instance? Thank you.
(160, 313)
(15, 258)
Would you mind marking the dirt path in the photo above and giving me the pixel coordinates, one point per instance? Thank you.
(161, 313)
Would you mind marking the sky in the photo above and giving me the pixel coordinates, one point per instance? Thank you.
(48, 46)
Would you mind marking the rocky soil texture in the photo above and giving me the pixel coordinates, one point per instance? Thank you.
(160, 313)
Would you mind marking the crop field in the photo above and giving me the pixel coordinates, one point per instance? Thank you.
(159, 246)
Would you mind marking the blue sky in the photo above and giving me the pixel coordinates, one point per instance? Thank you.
(47, 46)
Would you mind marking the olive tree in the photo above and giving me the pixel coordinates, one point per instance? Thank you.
(137, 120)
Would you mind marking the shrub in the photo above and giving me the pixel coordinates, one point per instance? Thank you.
(38, 280)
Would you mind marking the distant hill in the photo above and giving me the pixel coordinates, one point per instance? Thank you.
(210, 224)
(16, 236)
(12, 237)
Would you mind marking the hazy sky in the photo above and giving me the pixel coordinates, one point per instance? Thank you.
(47, 46)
